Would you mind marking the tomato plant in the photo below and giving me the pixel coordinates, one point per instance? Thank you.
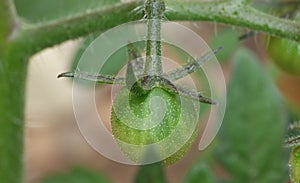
(249, 146)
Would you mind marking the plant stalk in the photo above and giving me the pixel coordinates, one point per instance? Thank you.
(236, 14)
(13, 66)
(8, 20)
(12, 84)
(45, 34)
(154, 12)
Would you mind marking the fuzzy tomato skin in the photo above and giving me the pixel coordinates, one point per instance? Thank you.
(180, 117)
(295, 164)
(285, 53)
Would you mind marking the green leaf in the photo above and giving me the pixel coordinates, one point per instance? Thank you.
(77, 175)
(200, 172)
(151, 173)
(251, 137)
(228, 38)
(44, 10)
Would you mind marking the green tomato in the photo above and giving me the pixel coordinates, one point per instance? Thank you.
(158, 122)
(285, 53)
(295, 164)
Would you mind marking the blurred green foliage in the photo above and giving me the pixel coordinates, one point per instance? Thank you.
(199, 172)
(251, 137)
(228, 38)
(45, 10)
(113, 64)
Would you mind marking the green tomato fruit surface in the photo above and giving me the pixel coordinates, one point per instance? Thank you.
(158, 122)
(285, 53)
(295, 164)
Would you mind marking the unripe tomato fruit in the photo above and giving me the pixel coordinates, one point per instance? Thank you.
(285, 53)
(295, 164)
(180, 117)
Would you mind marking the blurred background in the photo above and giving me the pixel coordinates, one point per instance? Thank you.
(53, 143)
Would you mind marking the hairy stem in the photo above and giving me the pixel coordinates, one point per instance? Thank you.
(154, 12)
(232, 13)
(13, 64)
(99, 78)
(36, 37)
(8, 21)
(39, 36)
(190, 67)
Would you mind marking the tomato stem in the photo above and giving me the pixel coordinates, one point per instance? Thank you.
(191, 66)
(154, 10)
